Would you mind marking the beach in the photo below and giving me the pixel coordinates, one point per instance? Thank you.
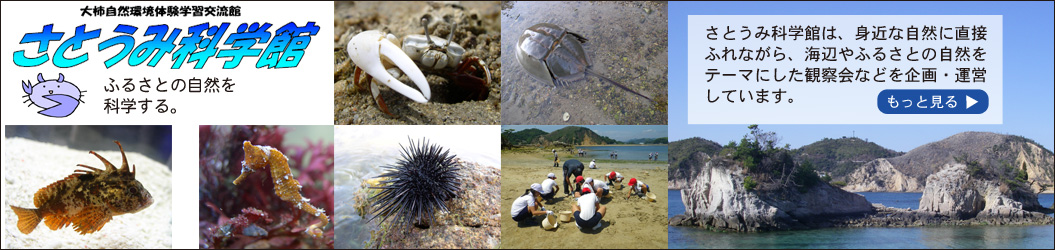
(633, 223)
(477, 31)
(627, 43)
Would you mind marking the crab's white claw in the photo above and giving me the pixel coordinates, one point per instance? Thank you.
(366, 50)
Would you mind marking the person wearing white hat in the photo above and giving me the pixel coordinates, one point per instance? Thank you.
(549, 187)
(528, 205)
(588, 211)
(593, 164)
(601, 188)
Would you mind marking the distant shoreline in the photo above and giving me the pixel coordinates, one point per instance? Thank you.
(622, 145)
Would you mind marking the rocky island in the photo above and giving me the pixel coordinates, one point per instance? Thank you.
(753, 186)
(908, 172)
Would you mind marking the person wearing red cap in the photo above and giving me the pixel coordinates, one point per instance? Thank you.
(588, 210)
(638, 187)
(578, 185)
(614, 178)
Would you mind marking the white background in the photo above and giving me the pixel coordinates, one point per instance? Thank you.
(291, 96)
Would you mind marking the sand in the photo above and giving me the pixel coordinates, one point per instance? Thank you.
(634, 223)
(31, 165)
(627, 43)
(478, 32)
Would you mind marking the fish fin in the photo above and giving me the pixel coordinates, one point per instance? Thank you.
(28, 219)
(45, 194)
(91, 219)
(109, 166)
(124, 160)
(93, 169)
(55, 222)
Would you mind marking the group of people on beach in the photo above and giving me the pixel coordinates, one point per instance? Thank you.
(587, 192)
(653, 156)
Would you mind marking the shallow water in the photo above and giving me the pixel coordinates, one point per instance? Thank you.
(627, 43)
(349, 171)
(918, 237)
(632, 153)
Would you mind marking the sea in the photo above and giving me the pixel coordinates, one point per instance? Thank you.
(972, 237)
(632, 153)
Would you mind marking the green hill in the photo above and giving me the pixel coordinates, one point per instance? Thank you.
(523, 137)
(682, 155)
(571, 135)
(841, 156)
(574, 135)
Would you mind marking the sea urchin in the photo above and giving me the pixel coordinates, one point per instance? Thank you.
(417, 185)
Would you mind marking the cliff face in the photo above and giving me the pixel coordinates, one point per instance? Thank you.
(716, 198)
(953, 192)
(685, 158)
(994, 151)
(880, 176)
(679, 176)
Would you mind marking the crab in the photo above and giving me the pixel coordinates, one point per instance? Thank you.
(375, 53)
(440, 54)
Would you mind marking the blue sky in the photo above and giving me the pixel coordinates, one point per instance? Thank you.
(618, 132)
(1028, 63)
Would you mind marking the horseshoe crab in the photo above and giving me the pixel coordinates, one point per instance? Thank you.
(554, 55)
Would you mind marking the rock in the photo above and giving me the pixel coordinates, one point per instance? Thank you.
(950, 194)
(718, 199)
(905, 173)
(680, 220)
(953, 192)
(473, 220)
(880, 176)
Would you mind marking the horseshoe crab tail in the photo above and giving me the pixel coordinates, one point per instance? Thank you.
(618, 85)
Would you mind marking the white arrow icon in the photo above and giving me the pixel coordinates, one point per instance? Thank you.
(970, 102)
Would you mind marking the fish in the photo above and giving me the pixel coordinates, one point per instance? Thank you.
(87, 199)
